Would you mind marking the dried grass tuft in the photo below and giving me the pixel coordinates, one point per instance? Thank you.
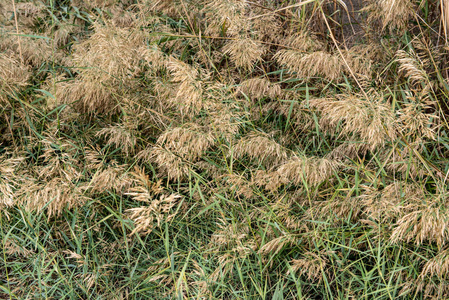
(148, 218)
(13, 76)
(308, 65)
(307, 170)
(261, 147)
(312, 266)
(372, 119)
(259, 88)
(244, 52)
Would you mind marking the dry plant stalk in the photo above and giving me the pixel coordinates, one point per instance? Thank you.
(17, 29)
(444, 5)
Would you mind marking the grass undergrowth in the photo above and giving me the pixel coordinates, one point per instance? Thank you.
(186, 149)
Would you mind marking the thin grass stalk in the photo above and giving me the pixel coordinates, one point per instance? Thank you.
(17, 29)
(444, 5)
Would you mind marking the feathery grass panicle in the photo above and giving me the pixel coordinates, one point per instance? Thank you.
(28, 13)
(372, 119)
(258, 88)
(415, 121)
(54, 196)
(270, 180)
(311, 170)
(228, 16)
(261, 147)
(106, 60)
(283, 209)
(418, 118)
(94, 157)
(210, 169)
(299, 116)
(110, 53)
(359, 62)
(188, 141)
(147, 218)
(13, 76)
(393, 202)
(123, 18)
(393, 14)
(143, 188)
(63, 32)
(411, 67)
(164, 90)
(427, 223)
(304, 42)
(349, 150)
(88, 5)
(13, 247)
(189, 95)
(308, 65)
(437, 266)
(110, 177)
(336, 210)
(405, 159)
(239, 184)
(225, 123)
(9, 178)
(312, 266)
(59, 160)
(33, 51)
(170, 164)
(267, 28)
(372, 52)
(6, 192)
(235, 237)
(274, 246)
(51, 86)
(155, 57)
(87, 95)
(244, 52)
(168, 7)
(121, 136)
(29, 8)
(432, 289)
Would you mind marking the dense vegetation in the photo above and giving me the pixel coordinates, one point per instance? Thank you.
(234, 149)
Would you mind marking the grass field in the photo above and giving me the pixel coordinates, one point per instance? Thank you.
(188, 149)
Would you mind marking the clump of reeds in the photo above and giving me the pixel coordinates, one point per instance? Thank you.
(223, 149)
